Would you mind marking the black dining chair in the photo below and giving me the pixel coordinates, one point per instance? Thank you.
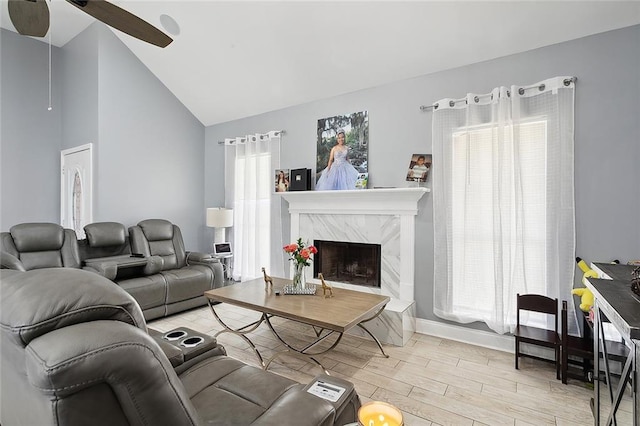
(581, 347)
(535, 335)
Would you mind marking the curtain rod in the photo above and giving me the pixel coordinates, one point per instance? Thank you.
(566, 82)
(276, 133)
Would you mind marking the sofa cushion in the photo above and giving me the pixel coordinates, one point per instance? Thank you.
(158, 237)
(249, 395)
(42, 245)
(188, 282)
(149, 291)
(29, 237)
(166, 251)
(41, 259)
(157, 229)
(105, 234)
(39, 301)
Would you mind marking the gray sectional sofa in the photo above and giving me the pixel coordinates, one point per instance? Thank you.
(162, 277)
(75, 351)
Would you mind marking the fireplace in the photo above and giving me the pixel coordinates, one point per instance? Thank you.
(384, 217)
(347, 262)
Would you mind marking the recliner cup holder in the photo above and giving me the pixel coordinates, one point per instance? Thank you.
(192, 342)
(175, 335)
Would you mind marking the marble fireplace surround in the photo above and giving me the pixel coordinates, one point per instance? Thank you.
(377, 216)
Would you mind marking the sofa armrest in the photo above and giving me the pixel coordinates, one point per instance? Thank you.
(154, 265)
(296, 400)
(198, 257)
(9, 261)
(108, 270)
(347, 405)
(173, 353)
(183, 357)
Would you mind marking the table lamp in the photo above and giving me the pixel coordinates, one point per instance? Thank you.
(378, 413)
(219, 218)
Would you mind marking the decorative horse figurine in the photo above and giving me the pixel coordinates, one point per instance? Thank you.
(268, 281)
(325, 286)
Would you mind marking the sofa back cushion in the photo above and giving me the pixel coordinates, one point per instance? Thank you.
(104, 239)
(158, 237)
(42, 245)
(37, 302)
(105, 234)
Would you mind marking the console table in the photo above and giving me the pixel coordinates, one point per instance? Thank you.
(614, 301)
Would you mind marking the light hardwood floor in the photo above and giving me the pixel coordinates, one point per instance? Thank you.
(434, 381)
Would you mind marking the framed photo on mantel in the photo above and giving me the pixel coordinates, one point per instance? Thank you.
(300, 180)
(282, 180)
(419, 167)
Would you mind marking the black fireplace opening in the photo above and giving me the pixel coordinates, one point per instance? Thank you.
(346, 262)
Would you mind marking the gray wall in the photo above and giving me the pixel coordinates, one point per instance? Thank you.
(151, 147)
(30, 136)
(607, 135)
(80, 94)
(148, 159)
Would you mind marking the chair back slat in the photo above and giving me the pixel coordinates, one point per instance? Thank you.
(537, 303)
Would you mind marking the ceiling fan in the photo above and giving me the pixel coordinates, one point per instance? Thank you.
(31, 18)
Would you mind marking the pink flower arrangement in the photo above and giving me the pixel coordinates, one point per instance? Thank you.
(300, 253)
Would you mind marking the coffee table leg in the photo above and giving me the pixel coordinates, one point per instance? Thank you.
(241, 331)
(375, 339)
(303, 352)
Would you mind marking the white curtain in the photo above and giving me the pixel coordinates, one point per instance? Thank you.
(503, 200)
(250, 163)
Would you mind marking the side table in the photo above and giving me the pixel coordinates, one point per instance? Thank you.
(226, 260)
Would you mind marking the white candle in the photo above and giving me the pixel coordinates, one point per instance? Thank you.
(377, 413)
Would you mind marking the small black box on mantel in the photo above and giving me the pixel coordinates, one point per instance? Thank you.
(300, 180)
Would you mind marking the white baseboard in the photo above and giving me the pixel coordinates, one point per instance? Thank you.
(505, 343)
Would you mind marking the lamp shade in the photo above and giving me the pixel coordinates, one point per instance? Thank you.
(219, 217)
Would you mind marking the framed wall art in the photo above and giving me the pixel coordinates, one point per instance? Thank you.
(342, 150)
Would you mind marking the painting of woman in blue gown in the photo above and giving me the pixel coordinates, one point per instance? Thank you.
(342, 151)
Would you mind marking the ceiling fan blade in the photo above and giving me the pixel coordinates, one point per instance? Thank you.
(30, 17)
(122, 20)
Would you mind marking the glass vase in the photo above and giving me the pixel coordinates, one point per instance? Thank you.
(299, 277)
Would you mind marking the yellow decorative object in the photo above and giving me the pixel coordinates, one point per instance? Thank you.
(588, 272)
(325, 287)
(377, 413)
(586, 298)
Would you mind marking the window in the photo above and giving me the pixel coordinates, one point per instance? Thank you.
(479, 178)
(503, 205)
(249, 165)
(252, 212)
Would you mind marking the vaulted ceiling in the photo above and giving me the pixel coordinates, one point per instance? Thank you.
(238, 58)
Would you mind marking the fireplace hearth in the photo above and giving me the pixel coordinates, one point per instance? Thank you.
(347, 262)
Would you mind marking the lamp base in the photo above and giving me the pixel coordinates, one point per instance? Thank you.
(219, 235)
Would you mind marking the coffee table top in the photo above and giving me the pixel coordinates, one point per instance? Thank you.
(344, 310)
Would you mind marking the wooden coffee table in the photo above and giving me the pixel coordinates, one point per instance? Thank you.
(331, 316)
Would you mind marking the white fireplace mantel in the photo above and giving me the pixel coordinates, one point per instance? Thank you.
(389, 201)
(384, 216)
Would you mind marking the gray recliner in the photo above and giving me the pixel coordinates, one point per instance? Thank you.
(40, 245)
(30, 246)
(75, 351)
(187, 274)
